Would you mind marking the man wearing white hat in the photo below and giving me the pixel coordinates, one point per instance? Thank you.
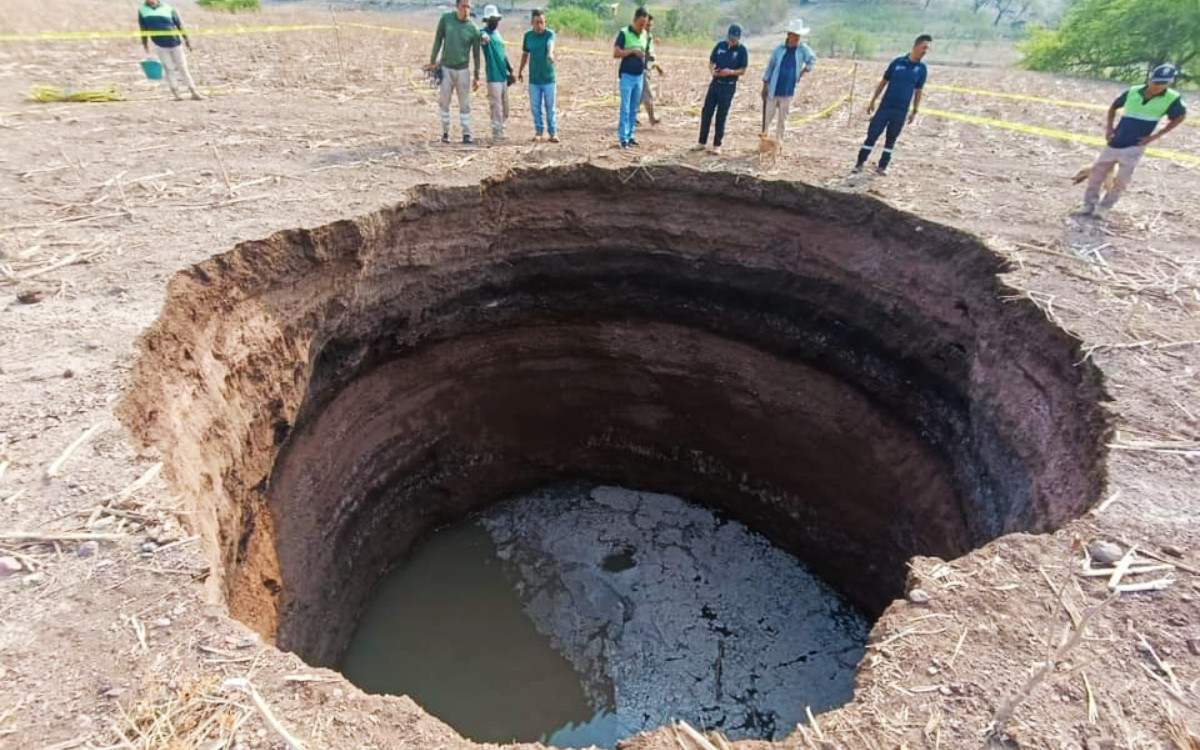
(789, 62)
(497, 69)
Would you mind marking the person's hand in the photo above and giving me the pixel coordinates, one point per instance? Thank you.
(638, 54)
(912, 116)
(1108, 134)
(1145, 141)
(521, 76)
(484, 38)
(871, 107)
(475, 85)
(188, 44)
(660, 70)
(550, 58)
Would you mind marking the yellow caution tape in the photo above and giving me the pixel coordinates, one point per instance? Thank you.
(825, 112)
(1062, 135)
(1017, 97)
(137, 34)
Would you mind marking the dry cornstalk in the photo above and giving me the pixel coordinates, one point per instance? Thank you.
(700, 741)
(242, 684)
(57, 536)
(52, 469)
(1121, 568)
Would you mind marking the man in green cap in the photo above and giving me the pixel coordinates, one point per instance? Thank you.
(458, 41)
(498, 69)
(159, 22)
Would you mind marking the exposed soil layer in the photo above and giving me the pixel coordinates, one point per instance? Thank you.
(841, 376)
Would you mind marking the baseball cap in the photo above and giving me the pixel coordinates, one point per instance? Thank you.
(1164, 74)
(491, 11)
(735, 31)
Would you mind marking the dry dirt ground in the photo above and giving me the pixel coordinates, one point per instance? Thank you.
(114, 645)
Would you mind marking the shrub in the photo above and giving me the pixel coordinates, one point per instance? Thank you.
(840, 40)
(691, 21)
(760, 15)
(576, 21)
(232, 6)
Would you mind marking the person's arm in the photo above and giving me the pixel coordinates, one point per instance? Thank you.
(878, 90)
(742, 70)
(916, 105)
(476, 46)
(620, 52)
(439, 37)
(145, 37)
(550, 48)
(179, 25)
(810, 60)
(1175, 117)
(1109, 123)
(767, 75)
(524, 60)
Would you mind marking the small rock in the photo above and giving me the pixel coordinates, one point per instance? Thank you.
(1172, 550)
(29, 297)
(1105, 552)
(9, 566)
(944, 690)
(919, 596)
(148, 546)
(34, 579)
(68, 373)
(113, 693)
(1193, 645)
(162, 622)
(249, 641)
(92, 344)
(89, 548)
(931, 671)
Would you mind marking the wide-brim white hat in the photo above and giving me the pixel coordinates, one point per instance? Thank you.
(491, 11)
(796, 26)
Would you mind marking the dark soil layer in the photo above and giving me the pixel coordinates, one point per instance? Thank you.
(843, 377)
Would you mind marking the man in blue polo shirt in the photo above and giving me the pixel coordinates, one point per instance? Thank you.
(630, 49)
(905, 82)
(1144, 107)
(159, 22)
(727, 63)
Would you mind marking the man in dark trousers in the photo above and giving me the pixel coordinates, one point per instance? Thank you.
(728, 63)
(905, 81)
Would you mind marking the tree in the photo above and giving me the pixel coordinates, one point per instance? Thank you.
(1118, 39)
(760, 15)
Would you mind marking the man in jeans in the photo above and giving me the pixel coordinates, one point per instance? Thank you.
(537, 49)
(630, 49)
(789, 62)
(160, 22)
(727, 63)
(904, 78)
(496, 63)
(1144, 107)
(458, 40)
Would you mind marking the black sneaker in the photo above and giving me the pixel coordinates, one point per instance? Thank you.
(467, 140)
(857, 169)
(632, 143)
(624, 144)
(445, 137)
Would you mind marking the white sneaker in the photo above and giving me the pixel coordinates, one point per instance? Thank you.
(699, 147)
(717, 150)
(1087, 209)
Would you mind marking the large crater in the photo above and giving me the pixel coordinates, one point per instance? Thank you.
(853, 382)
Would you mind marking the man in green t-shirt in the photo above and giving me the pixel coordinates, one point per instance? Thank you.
(537, 49)
(496, 61)
(457, 40)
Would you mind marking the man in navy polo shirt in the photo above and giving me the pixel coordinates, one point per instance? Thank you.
(160, 23)
(1144, 107)
(728, 62)
(905, 81)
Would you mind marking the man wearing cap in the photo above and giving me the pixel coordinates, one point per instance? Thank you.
(630, 49)
(1144, 107)
(904, 79)
(497, 69)
(727, 63)
(789, 62)
(160, 22)
(457, 40)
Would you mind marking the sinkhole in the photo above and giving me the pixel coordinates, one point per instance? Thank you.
(428, 410)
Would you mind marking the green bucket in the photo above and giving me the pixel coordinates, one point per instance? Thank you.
(152, 69)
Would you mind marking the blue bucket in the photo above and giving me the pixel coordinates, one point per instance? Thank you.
(152, 69)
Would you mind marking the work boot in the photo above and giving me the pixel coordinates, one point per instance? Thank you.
(553, 138)
(1087, 209)
(717, 150)
(467, 140)
(445, 137)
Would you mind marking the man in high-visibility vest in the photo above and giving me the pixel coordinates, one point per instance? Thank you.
(1144, 107)
(159, 22)
(630, 49)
